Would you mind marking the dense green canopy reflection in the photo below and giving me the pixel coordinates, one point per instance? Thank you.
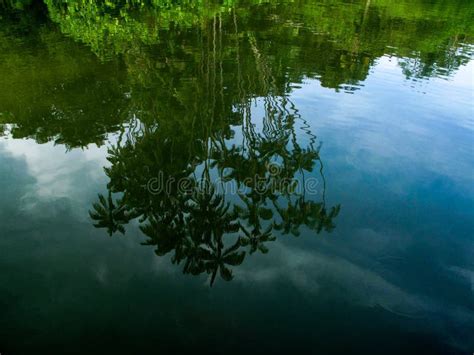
(158, 44)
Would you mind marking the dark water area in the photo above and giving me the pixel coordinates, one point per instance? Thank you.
(237, 177)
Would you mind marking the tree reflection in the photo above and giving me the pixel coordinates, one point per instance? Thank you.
(77, 95)
(234, 201)
(210, 179)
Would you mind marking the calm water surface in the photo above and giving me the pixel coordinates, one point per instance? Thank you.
(237, 177)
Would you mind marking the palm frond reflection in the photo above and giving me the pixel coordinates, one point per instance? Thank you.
(213, 174)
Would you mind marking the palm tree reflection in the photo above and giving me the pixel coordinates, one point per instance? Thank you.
(239, 198)
(245, 178)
